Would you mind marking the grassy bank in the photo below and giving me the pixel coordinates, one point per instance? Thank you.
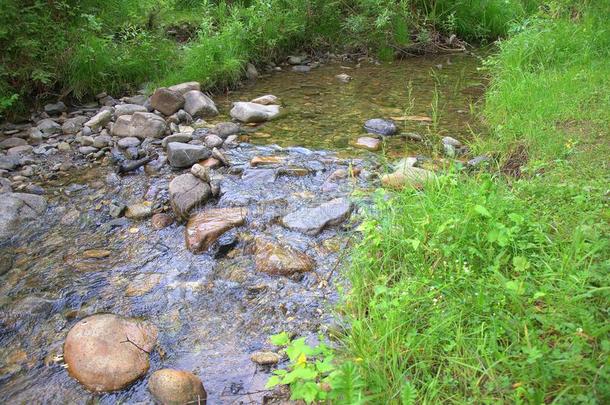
(491, 288)
(70, 48)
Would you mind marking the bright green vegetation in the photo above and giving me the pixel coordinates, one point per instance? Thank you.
(78, 48)
(488, 288)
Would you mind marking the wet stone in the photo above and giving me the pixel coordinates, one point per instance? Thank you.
(186, 192)
(381, 127)
(176, 387)
(203, 229)
(142, 284)
(259, 176)
(107, 352)
(139, 211)
(313, 220)
(279, 259)
(265, 358)
(160, 221)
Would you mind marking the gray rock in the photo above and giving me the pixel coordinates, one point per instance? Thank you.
(251, 72)
(478, 161)
(380, 126)
(55, 108)
(182, 155)
(313, 220)
(179, 137)
(102, 141)
(186, 192)
(140, 99)
(183, 88)
(99, 120)
(72, 125)
(255, 177)
(86, 140)
(20, 150)
(85, 150)
(201, 172)
(447, 140)
(128, 142)
(344, 78)
(167, 101)
(48, 127)
(213, 141)
(198, 104)
(251, 112)
(12, 142)
(301, 69)
(296, 60)
(5, 185)
(36, 135)
(128, 109)
(140, 125)
(225, 129)
(18, 208)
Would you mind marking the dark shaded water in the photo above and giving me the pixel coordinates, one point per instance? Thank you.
(212, 313)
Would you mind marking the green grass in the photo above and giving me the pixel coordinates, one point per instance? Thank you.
(487, 289)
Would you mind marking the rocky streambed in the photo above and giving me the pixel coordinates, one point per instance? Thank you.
(185, 219)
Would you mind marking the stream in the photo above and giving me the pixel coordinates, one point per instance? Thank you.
(214, 309)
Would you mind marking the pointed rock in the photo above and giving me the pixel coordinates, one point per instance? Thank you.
(281, 260)
(312, 221)
(204, 228)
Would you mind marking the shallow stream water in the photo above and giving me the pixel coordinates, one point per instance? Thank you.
(212, 313)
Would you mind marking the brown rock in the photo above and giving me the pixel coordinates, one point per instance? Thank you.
(142, 284)
(96, 253)
(107, 352)
(407, 176)
(266, 160)
(369, 143)
(210, 163)
(203, 229)
(273, 258)
(176, 387)
(160, 221)
(167, 101)
(265, 358)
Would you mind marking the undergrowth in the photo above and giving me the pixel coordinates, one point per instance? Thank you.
(483, 288)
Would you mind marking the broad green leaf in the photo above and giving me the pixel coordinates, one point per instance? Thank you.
(281, 339)
(482, 211)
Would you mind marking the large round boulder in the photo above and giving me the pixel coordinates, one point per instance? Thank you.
(107, 352)
(176, 387)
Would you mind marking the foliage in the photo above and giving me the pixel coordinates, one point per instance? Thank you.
(492, 290)
(313, 376)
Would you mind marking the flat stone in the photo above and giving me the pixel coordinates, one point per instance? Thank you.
(204, 228)
(176, 387)
(313, 220)
(266, 100)
(266, 160)
(213, 141)
(128, 109)
(186, 192)
(408, 176)
(179, 137)
(211, 163)
(182, 155)
(381, 127)
(344, 78)
(99, 120)
(198, 104)
(278, 259)
(301, 69)
(9, 162)
(183, 88)
(12, 142)
(96, 253)
(107, 352)
(167, 101)
(20, 150)
(254, 113)
(129, 142)
(259, 176)
(85, 150)
(368, 143)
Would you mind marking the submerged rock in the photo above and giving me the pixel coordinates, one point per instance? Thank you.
(344, 78)
(381, 127)
(265, 100)
(203, 229)
(366, 142)
(176, 387)
(186, 192)
(160, 221)
(107, 352)
(313, 220)
(18, 208)
(254, 113)
(278, 259)
(139, 211)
